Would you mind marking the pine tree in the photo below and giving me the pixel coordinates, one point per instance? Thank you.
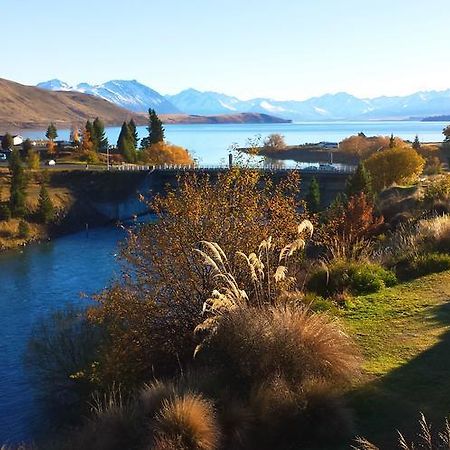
(360, 181)
(416, 143)
(313, 197)
(155, 128)
(134, 133)
(18, 185)
(392, 141)
(125, 144)
(52, 132)
(7, 142)
(45, 210)
(98, 136)
(90, 129)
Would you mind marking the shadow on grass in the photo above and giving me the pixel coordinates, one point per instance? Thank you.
(394, 401)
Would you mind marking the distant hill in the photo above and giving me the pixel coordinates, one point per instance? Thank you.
(221, 118)
(444, 118)
(32, 107)
(130, 95)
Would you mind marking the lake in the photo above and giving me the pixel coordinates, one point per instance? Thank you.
(209, 144)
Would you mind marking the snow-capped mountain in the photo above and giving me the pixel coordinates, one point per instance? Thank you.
(341, 106)
(131, 95)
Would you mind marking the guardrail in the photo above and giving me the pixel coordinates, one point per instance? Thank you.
(218, 168)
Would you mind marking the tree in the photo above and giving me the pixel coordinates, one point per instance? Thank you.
(26, 147)
(155, 130)
(392, 141)
(360, 181)
(33, 159)
(7, 142)
(400, 165)
(313, 197)
(165, 153)
(98, 136)
(134, 133)
(51, 148)
(446, 133)
(416, 143)
(52, 132)
(125, 144)
(45, 210)
(75, 135)
(274, 142)
(18, 185)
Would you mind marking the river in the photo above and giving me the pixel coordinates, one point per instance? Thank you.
(33, 282)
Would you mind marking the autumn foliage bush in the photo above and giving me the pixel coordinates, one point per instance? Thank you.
(165, 153)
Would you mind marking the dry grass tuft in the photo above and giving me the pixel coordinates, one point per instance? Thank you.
(188, 422)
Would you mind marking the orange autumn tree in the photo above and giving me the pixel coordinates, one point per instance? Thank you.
(349, 228)
(399, 165)
(166, 153)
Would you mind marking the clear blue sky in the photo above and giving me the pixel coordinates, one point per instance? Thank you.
(284, 49)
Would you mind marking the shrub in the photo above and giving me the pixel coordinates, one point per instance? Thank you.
(23, 229)
(253, 345)
(186, 422)
(423, 265)
(350, 276)
(165, 153)
(5, 212)
(151, 316)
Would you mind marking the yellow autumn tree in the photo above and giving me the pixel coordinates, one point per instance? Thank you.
(166, 153)
(398, 165)
(364, 146)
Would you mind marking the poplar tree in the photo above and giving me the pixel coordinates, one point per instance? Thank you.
(133, 131)
(98, 136)
(18, 185)
(125, 144)
(313, 197)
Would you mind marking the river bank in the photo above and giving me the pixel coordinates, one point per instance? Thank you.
(82, 200)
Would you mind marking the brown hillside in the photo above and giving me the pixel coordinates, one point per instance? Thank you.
(32, 107)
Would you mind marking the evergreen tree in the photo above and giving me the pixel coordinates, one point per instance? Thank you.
(134, 133)
(7, 142)
(45, 211)
(360, 181)
(52, 132)
(155, 128)
(18, 185)
(416, 143)
(313, 197)
(392, 141)
(125, 144)
(89, 127)
(98, 136)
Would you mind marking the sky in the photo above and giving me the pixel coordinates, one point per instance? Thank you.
(282, 49)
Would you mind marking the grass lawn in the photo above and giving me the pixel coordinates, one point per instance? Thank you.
(404, 336)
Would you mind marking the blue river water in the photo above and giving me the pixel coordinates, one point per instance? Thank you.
(33, 282)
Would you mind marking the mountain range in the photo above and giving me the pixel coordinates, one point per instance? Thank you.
(137, 97)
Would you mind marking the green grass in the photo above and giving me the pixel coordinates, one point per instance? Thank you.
(404, 336)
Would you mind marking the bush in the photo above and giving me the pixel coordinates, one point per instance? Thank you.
(423, 265)
(253, 345)
(5, 212)
(23, 229)
(350, 276)
(186, 422)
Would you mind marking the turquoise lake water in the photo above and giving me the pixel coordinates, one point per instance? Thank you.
(210, 143)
